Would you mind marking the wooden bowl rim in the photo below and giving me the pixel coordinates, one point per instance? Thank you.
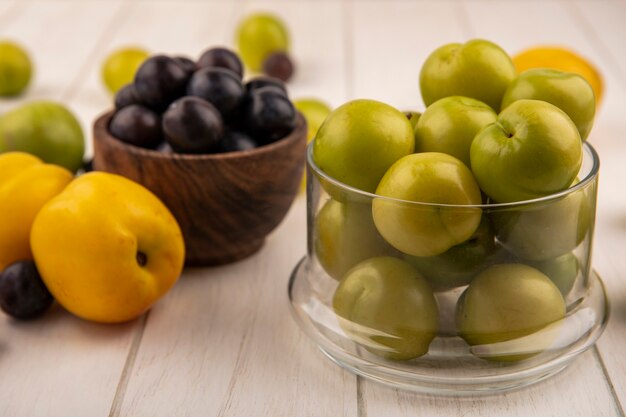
(101, 131)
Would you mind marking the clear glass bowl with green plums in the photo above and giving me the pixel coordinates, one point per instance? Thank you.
(449, 298)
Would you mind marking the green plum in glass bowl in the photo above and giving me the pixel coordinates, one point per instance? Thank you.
(428, 285)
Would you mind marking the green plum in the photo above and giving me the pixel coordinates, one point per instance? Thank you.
(119, 67)
(562, 270)
(533, 150)
(258, 36)
(506, 302)
(45, 129)
(568, 91)
(478, 69)
(459, 264)
(344, 235)
(385, 305)
(360, 140)
(413, 116)
(426, 229)
(450, 124)
(314, 111)
(15, 69)
(545, 230)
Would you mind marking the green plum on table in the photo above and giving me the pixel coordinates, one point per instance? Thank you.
(478, 69)
(344, 235)
(568, 91)
(450, 124)
(533, 150)
(260, 35)
(461, 263)
(314, 111)
(360, 140)
(506, 302)
(119, 68)
(45, 129)
(15, 69)
(546, 230)
(421, 229)
(386, 306)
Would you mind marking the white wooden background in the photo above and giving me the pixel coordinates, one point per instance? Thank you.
(222, 342)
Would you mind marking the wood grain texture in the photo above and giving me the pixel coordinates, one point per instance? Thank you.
(222, 343)
(8, 10)
(603, 24)
(555, 397)
(58, 365)
(392, 41)
(59, 36)
(225, 203)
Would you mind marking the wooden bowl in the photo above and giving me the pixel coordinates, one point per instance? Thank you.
(226, 203)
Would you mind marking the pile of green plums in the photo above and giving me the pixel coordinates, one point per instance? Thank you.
(470, 193)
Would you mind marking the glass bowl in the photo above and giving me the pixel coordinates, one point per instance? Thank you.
(533, 302)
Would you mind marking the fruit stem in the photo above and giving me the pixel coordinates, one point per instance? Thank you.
(505, 130)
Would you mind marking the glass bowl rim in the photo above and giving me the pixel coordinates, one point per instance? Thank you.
(591, 176)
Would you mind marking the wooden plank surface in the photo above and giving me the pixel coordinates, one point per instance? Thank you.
(8, 9)
(392, 41)
(222, 342)
(555, 397)
(59, 35)
(59, 365)
(226, 336)
(534, 24)
(603, 24)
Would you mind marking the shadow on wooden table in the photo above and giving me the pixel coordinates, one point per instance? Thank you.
(58, 323)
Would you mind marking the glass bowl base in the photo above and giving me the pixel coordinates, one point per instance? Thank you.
(450, 367)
